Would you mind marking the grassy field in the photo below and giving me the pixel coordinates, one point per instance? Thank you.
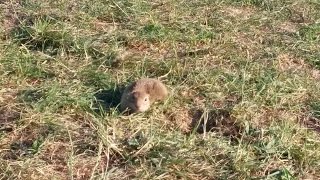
(244, 77)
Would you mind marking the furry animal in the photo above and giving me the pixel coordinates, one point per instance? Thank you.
(141, 94)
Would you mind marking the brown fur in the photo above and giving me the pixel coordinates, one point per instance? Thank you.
(141, 94)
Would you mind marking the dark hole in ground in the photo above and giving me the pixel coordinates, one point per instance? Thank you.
(219, 120)
(108, 99)
(7, 119)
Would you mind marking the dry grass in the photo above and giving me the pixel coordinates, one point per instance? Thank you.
(244, 77)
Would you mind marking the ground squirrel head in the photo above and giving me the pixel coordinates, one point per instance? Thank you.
(141, 94)
(139, 101)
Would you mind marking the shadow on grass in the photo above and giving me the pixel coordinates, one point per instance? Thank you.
(28, 141)
(108, 99)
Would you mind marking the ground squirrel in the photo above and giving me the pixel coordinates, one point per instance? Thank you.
(139, 95)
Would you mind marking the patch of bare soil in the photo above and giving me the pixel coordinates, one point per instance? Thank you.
(310, 175)
(139, 48)
(11, 16)
(288, 27)
(85, 142)
(315, 74)
(8, 118)
(180, 118)
(25, 142)
(286, 62)
(236, 12)
(56, 154)
(252, 43)
(9, 111)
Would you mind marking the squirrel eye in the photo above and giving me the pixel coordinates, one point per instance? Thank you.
(145, 99)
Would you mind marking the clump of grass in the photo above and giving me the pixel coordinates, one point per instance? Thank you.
(315, 108)
(152, 32)
(310, 32)
(21, 63)
(50, 99)
(43, 34)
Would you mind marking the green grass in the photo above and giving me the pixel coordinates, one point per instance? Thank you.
(243, 74)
